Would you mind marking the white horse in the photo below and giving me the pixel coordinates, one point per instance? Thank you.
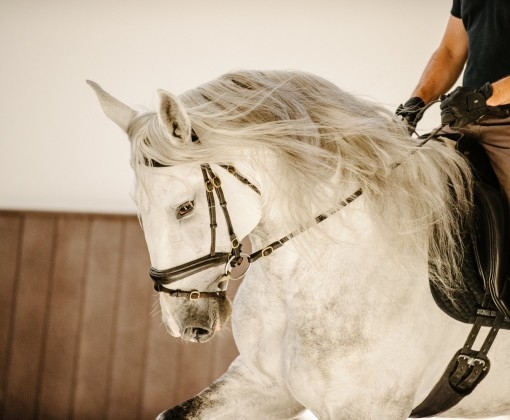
(340, 319)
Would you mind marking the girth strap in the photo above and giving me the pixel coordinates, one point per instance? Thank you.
(465, 371)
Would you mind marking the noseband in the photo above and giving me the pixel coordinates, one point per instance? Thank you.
(213, 259)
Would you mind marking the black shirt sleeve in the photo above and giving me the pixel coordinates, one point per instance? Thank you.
(456, 8)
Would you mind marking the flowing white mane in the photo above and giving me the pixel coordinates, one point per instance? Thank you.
(318, 144)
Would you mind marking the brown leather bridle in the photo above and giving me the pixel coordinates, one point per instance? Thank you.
(213, 259)
(235, 257)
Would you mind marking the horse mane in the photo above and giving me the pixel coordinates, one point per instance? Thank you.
(314, 144)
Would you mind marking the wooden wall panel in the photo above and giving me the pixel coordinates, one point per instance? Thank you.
(10, 238)
(62, 333)
(162, 369)
(195, 365)
(95, 353)
(80, 328)
(135, 301)
(33, 287)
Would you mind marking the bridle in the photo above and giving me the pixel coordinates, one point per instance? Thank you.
(231, 259)
(213, 259)
(235, 257)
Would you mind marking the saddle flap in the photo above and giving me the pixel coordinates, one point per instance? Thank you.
(488, 249)
(491, 244)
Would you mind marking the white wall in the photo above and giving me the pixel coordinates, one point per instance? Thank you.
(58, 151)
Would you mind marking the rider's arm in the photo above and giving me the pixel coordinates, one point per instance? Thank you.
(446, 64)
(500, 92)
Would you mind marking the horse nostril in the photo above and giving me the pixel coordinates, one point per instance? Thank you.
(200, 331)
(196, 333)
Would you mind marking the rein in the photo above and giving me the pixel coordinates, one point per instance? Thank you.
(268, 250)
(235, 257)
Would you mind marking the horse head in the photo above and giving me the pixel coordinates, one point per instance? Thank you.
(194, 216)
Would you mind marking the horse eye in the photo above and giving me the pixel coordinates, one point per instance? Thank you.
(185, 209)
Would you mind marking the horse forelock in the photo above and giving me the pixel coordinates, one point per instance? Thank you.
(312, 144)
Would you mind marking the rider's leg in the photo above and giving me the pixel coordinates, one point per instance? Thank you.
(494, 134)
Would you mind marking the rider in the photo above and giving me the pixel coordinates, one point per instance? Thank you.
(478, 36)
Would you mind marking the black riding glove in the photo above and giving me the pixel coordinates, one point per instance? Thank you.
(410, 111)
(464, 105)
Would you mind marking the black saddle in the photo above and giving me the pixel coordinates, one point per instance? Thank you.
(486, 266)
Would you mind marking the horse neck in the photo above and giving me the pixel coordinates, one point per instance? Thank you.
(349, 265)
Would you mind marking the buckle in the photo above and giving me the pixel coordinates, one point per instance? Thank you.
(267, 251)
(216, 182)
(209, 186)
(194, 295)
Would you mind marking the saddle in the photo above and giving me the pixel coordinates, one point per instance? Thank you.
(486, 266)
(485, 299)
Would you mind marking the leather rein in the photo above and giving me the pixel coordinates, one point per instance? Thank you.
(235, 257)
(231, 259)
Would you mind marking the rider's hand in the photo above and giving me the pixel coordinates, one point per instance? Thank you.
(410, 111)
(464, 105)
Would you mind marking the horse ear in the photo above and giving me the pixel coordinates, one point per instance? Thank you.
(119, 113)
(174, 118)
